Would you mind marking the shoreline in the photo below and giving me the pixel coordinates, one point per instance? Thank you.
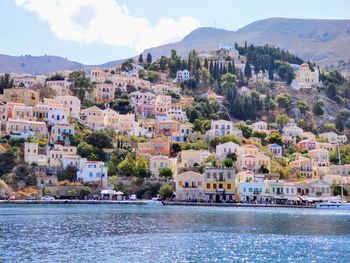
(144, 202)
(68, 201)
(235, 205)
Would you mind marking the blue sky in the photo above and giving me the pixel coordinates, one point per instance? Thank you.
(96, 31)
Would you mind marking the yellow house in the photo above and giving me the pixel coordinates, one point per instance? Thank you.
(93, 117)
(62, 132)
(305, 77)
(104, 92)
(251, 158)
(219, 185)
(24, 128)
(59, 152)
(22, 112)
(189, 186)
(71, 103)
(31, 154)
(190, 158)
(27, 96)
(157, 163)
(110, 118)
(126, 122)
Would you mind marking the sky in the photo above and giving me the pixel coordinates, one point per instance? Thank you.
(96, 31)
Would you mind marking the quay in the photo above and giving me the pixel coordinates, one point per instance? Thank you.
(68, 201)
(235, 204)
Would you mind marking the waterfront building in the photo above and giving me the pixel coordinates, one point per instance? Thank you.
(189, 186)
(220, 184)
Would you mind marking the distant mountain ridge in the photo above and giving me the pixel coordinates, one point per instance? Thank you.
(325, 41)
(44, 64)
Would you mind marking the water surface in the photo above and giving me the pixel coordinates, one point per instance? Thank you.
(128, 233)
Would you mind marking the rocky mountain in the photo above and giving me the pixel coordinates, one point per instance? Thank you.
(43, 64)
(325, 41)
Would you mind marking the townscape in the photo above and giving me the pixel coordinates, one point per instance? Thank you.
(236, 124)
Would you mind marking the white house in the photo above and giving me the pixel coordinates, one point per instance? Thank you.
(182, 75)
(221, 128)
(260, 126)
(57, 116)
(275, 149)
(71, 103)
(293, 131)
(251, 191)
(92, 171)
(226, 148)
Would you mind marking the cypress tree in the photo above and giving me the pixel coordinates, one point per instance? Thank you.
(247, 70)
(206, 63)
(140, 59)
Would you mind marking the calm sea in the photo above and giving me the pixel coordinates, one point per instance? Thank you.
(127, 233)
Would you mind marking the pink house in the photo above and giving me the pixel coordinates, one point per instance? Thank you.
(306, 145)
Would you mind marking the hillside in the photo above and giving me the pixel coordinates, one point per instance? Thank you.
(43, 64)
(324, 41)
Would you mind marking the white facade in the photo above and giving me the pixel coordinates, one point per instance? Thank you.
(57, 115)
(92, 171)
(226, 148)
(182, 75)
(71, 103)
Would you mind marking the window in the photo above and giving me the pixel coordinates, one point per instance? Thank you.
(214, 186)
(90, 174)
(228, 186)
(250, 190)
(208, 185)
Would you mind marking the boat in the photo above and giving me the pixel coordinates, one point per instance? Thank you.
(334, 205)
(337, 203)
(154, 201)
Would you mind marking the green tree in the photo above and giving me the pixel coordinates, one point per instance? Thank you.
(317, 108)
(166, 191)
(80, 84)
(282, 120)
(84, 192)
(140, 59)
(69, 174)
(166, 172)
(149, 58)
(84, 149)
(275, 138)
(246, 130)
(5, 82)
(283, 101)
(303, 107)
(247, 70)
(99, 139)
(228, 163)
(122, 106)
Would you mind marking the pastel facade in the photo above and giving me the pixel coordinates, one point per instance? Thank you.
(157, 163)
(219, 185)
(104, 92)
(275, 150)
(71, 103)
(182, 75)
(62, 132)
(92, 172)
(190, 158)
(19, 95)
(93, 118)
(24, 129)
(222, 150)
(155, 146)
(31, 154)
(189, 186)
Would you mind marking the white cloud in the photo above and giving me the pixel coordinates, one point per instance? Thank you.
(106, 21)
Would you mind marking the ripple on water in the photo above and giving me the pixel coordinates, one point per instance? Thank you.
(92, 233)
